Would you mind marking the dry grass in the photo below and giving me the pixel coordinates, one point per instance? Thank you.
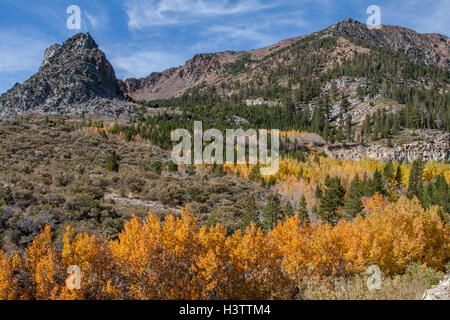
(409, 286)
(52, 172)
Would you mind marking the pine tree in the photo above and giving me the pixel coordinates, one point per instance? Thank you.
(172, 167)
(250, 214)
(377, 184)
(388, 171)
(156, 167)
(332, 200)
(345, 104)
(415, 186)
(255, 174)
(218, 170)
(318, 192)
(353, 205)
(398, 175)
(288, 210)
(271, 213)
(190, 170)
(348, 127)
(112, 163)
(303, 210)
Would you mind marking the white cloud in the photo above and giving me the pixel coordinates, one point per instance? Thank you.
(422, 16)
(219, 35)
(21, 54)
(21, 51)
(95, 21)
(147, 13)
(142, 63)
(254, 33)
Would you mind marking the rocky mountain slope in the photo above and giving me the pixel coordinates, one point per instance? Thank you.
(74, 78)
(430, 48)
(214, 68)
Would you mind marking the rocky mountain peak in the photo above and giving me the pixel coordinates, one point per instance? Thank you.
(74, 78)
(80, 44)
(429, 48)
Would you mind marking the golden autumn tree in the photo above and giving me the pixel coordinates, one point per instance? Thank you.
(394, 235)
(44, 263)
(94, 258)
(10, 288)
(177, 259)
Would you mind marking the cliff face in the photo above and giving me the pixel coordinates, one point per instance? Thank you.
(74, 78)
(435, 145)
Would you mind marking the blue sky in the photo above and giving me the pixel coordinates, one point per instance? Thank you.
(142, 36)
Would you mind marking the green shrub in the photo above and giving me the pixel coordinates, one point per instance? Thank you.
(112, 163)
(172, 167)
(156, 167)
(190, 170)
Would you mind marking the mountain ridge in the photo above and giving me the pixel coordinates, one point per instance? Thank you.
(430, 48)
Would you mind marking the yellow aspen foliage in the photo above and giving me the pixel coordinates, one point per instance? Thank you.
(137, 254)
(394, 235)
(9, 289)
(41, 246)
(93, 256)
(44, 263)
(49, 276)
(257, 270)
(176, 259)
(308, 250)
(211, 273)
(432, 169)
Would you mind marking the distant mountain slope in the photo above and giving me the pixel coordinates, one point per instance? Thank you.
(430, 48)
(213, 69)
(74, 78)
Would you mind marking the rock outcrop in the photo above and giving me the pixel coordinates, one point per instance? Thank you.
(435, 145)
(74, 78)
(439, 292)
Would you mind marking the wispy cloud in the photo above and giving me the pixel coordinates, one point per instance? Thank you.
(147, 13)
(251, 33)
(21, 50)
(422, 16)
(21, 53)
(142, 63)
(220, 34)
(94, 21)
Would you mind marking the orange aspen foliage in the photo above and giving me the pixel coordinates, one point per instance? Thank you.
(9, 288)
(93, 256)
(176, 259)
(44, 263)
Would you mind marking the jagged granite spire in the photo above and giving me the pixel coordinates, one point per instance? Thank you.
(74, 78)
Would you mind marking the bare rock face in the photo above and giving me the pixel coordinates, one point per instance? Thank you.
(439, 292)
(161, 85)
(434, 145)
(74, 78)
